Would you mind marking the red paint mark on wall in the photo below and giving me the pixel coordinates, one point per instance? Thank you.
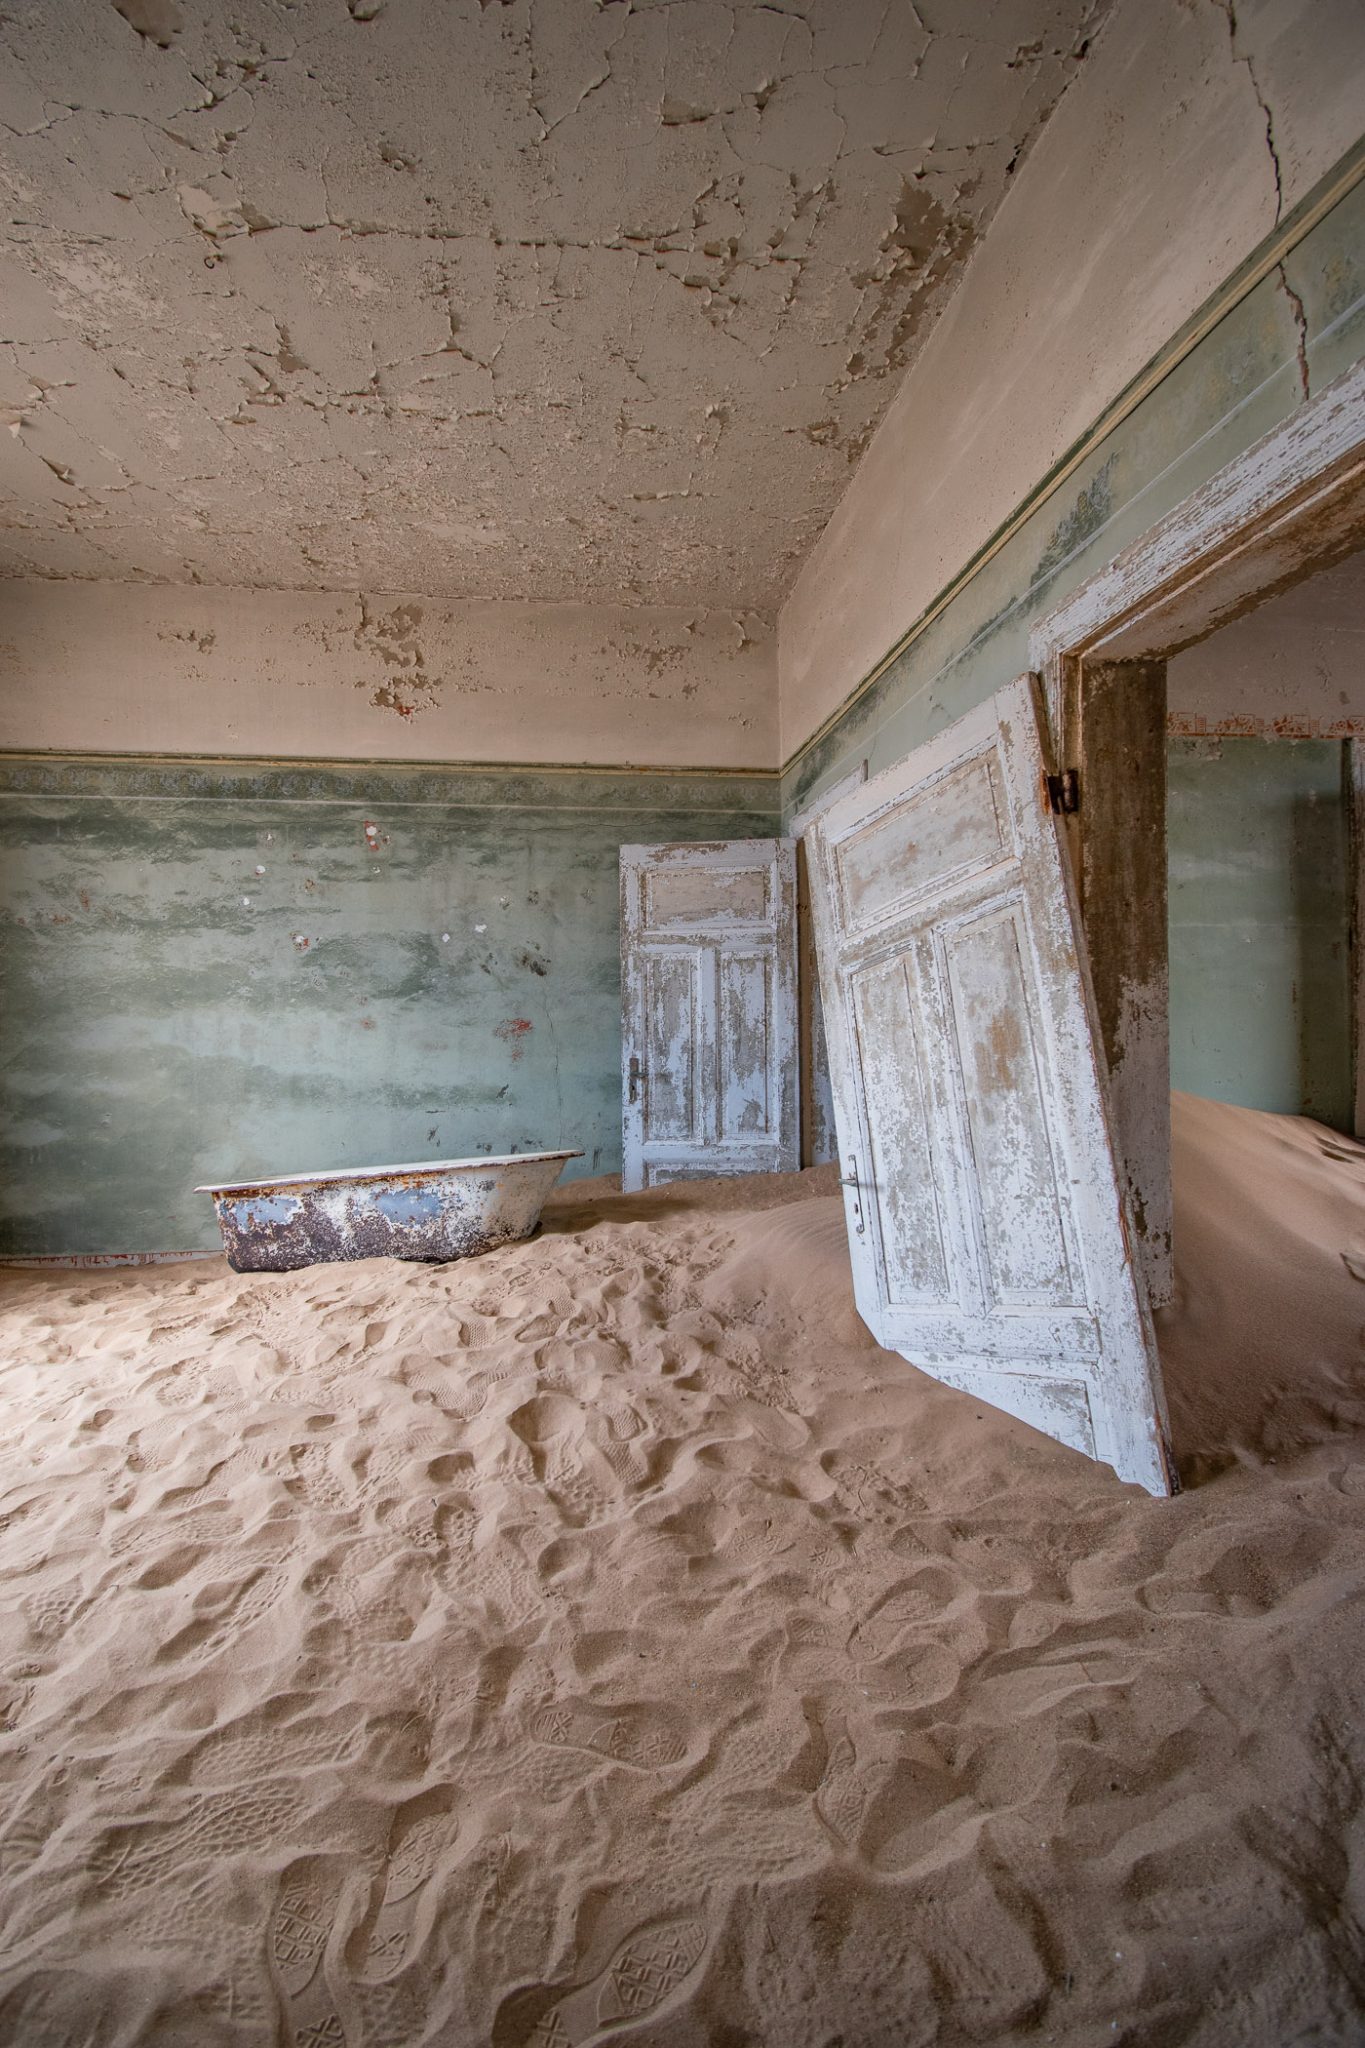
(1248, 725)
(385, 697)
(512, 1031)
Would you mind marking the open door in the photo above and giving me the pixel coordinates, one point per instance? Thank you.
(708, 984)
(986, 1223)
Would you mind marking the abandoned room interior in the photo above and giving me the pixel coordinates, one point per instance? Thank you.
(682, 1025)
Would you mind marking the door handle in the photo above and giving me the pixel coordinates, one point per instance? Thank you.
(850, 1180)
(637, 1075)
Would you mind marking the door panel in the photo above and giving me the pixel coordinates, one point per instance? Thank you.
(1058, 1407)
(987, 1226)
(746, 1044)
(906, 1194)
(708, 958)
(686, 896)
(672, 1111)
(951, 829)
(993, 1010)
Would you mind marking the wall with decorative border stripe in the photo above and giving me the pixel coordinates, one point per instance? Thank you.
(1242, 368)
(215, 969)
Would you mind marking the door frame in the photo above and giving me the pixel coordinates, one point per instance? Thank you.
(1291, 504)
(818, 1144)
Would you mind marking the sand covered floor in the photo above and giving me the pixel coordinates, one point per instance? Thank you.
(605, 1640)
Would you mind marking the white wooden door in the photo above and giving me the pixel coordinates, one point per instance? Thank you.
(708, 975)
(986, 1221)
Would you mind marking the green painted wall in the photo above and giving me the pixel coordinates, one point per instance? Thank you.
(1260, 908)
(1241, 380)
(212, 971)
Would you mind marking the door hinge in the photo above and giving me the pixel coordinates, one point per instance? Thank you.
(1064, 793)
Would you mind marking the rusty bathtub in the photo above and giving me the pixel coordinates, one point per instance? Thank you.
(442, 1209)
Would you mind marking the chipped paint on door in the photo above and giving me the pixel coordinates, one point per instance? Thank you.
(818, 1142)
(708, 968)
(986, 1222)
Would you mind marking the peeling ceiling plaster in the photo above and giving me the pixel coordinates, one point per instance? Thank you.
(555, 299)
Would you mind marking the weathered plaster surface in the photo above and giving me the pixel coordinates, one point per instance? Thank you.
(1241, 381)
(1194, 127)
(1294, 668)
(213, 973)
(540, 299)
(1260, 920)
(121, 669)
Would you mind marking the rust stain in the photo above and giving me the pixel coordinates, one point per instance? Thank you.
(998, 1053)
(450, 1209)
(512, 1031)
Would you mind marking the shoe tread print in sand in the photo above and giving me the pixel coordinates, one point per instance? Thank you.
(423, 1830)
(651, 1966)
(300, 1930)
(638, 1736)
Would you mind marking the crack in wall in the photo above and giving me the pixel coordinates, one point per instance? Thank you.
(1296, 308)
(1227, 8)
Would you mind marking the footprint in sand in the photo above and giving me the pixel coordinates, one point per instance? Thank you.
(423, 1830)
(577, 1479)
(214, 1523)
(463, 1396)
(51, 1614)
(313, 1478)
(619, 1436)
(394, 2014)
(638, 1736)
(843, 1796)
(22, 1846)
(581, 1498)
(134, 1856)
(220, 1622)
(647, 1970)
(260, 1747)
(300, 1928)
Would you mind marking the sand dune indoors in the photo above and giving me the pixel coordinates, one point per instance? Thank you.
(604, 1639)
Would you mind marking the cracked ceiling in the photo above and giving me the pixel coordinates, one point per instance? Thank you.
(556, 299)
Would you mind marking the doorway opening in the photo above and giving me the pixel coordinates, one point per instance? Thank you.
(1263, 720)
(1252, 972)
